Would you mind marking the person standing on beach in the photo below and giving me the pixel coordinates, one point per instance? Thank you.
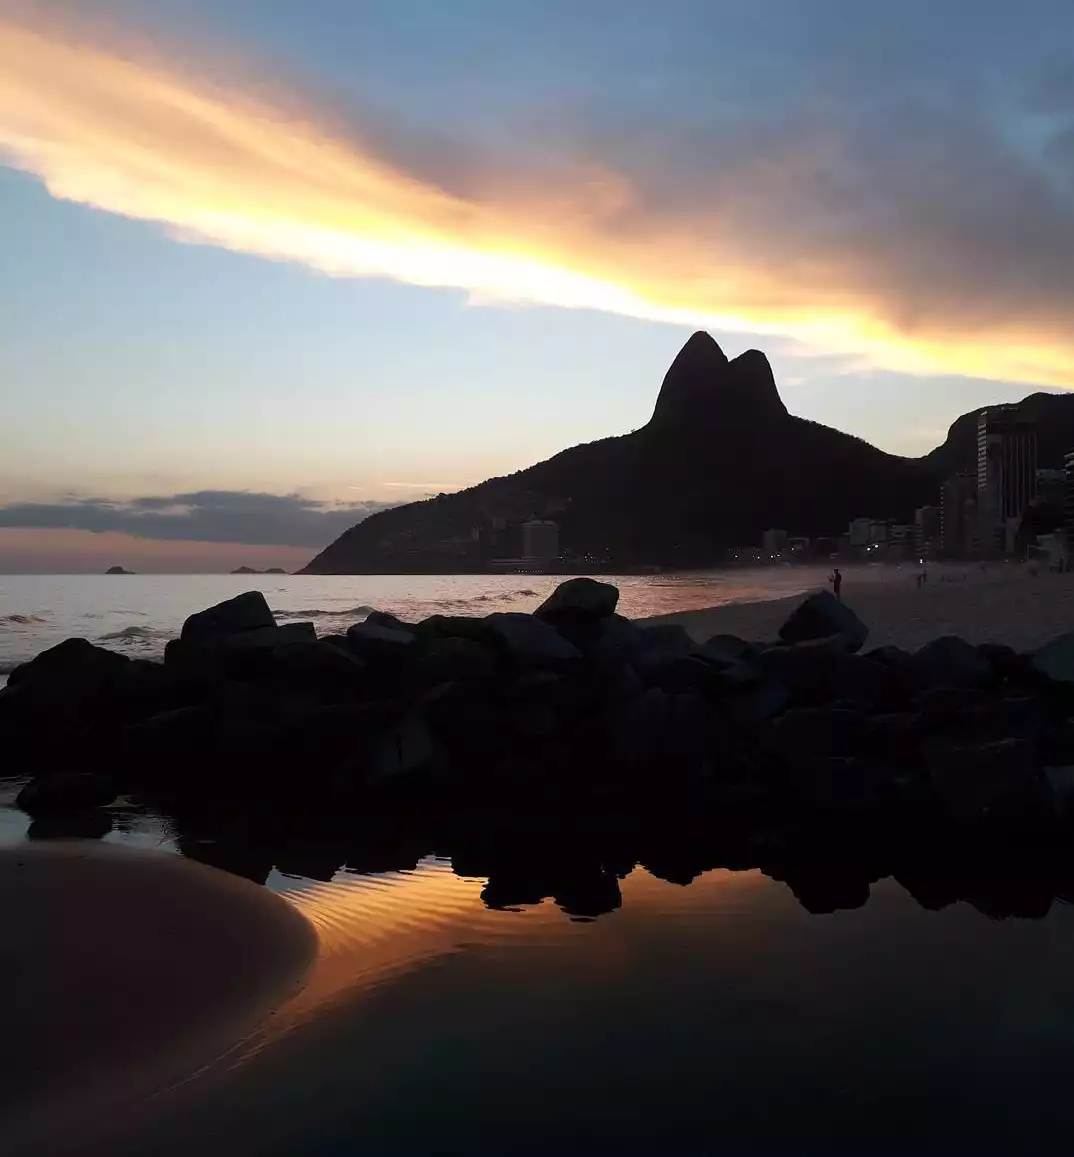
(836, 579)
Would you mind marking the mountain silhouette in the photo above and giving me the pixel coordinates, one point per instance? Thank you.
(720, 461)
(1052, 413)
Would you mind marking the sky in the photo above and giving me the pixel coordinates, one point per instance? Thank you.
(267, 266)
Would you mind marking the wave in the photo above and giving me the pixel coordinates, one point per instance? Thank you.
(132, 633)
(322, 613)
(22, 620)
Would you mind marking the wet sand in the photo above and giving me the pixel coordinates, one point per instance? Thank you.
(125, 973)
(1002, 605)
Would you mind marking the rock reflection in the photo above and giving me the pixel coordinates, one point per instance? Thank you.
(578, 865)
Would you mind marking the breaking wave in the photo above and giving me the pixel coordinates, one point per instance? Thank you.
(22, 620)
(321, 613)
(129, 633)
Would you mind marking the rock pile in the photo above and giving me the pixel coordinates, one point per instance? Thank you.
(572, 707)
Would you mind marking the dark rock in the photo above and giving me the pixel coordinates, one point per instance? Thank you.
(758, 701)
(638, 729)
(273, 638)
(863, 682)
(1056, 744)
(326, 669)
(726, 650)
(1004, 661)
(816, 731)
(451, 658)
(614, 639)
(529, 642)
(683, 673)
(384, 619)
(406, 749)
(66, 791)
(840, 783)
(118, 570)
(454, 627)
(895, 736)
(821, 616)
(245, 612)
(578, 599)
(949, 662)
(1055, 660)
(1061, 782)
(375, 643)
(894, 657)
(74, 662)
(92, 824)
(807, 669)
(997, 781)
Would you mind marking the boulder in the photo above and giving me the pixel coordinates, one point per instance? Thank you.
(90, 824)
(579, 600)
(375, 643)
(1061, 782)
(406, 749)
(840, 783)
(949, 662)
(638, 728)
(451, 658)
(66, 791)
(245, 612)
(453, 627)
(528, 642)
(275, 639)
(757, 700)
(989, 782)
(614, 639)
(385, 619)
(725, 650)
(1055, 660)
(807, 732)
(74, 662)
(821, 616)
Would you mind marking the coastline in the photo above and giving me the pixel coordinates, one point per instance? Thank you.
(128, 973)
(1000, 606)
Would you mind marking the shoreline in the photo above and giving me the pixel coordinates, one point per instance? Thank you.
(129, 973)
(1001, 607)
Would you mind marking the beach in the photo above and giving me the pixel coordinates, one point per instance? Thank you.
(125, 973)
(1004, 604)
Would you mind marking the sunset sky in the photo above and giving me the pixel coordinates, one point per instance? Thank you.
(266, 265)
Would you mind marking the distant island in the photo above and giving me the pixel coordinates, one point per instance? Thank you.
(719, 463)
(118, 570)
(251, 570)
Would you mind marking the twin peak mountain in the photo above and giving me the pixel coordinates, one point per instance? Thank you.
(720, 461)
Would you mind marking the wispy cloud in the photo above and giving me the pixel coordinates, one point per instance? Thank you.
(921, 241)
(233, 516)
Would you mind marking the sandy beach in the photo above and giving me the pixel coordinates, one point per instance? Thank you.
(124, 973)
(1002, 605)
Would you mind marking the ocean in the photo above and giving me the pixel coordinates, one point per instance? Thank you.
(138, 614)
(524, 984)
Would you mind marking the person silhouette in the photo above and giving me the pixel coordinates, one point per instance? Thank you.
(836, 579)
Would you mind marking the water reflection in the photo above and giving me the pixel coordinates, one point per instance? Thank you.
(579, 862)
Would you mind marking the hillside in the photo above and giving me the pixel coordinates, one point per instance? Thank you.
(720, 460)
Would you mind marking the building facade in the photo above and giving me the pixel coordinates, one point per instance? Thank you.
(1006, 475)
(540, 540)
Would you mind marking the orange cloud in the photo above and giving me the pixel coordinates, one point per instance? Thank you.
(126, 133)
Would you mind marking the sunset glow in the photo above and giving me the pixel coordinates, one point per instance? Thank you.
(122, 132)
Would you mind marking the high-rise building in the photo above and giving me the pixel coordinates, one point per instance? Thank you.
(1068, 500)
(540, 540)
(1006, 474)
(774, 543)
(927, 526)
(958, 501)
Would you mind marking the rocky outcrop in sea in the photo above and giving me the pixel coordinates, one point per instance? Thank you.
(801, 742)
